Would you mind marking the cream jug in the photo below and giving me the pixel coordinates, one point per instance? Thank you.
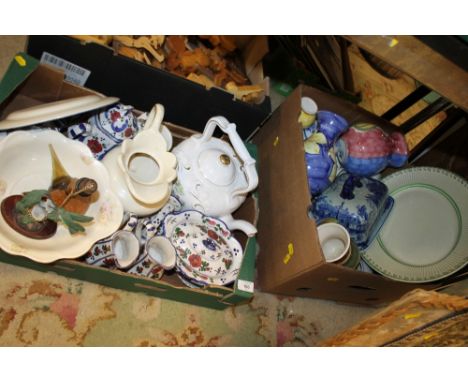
(141, 169)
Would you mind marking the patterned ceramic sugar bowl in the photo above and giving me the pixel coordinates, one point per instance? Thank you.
(106, 130)
(359, 204)
(207, 253)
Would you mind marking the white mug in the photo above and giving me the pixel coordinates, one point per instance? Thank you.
(335, 242)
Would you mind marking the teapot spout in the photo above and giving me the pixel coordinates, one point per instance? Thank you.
(242, 225)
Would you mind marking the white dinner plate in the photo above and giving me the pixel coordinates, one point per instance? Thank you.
(55, 110)
(425, 237)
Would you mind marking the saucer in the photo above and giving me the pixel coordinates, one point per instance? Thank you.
(55, 110)
(207, 253)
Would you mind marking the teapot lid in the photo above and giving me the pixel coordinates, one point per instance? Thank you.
(217, 167)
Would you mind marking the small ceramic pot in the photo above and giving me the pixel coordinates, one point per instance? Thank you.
(104, 131)
(359, 204)
(335, 242)
(365, 149)
(120, 250)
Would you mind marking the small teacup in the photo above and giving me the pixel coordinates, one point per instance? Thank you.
(159, 255)
(125, 247)
(120, 250)
(161, 251)
(335, 242)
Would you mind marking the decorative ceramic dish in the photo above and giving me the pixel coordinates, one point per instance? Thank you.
(359, 204)
(55, 110)
(425, 237)
(26, 165)
(206, 250)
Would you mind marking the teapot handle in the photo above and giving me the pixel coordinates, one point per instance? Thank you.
(236, 141)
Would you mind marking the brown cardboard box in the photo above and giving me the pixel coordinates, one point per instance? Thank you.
(37, 84)
(284, 226)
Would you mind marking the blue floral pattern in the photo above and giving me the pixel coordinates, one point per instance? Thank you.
(359, 204)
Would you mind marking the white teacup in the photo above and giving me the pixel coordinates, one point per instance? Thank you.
(119, 250)
(161, 251)
(125, 247)
(335, 242)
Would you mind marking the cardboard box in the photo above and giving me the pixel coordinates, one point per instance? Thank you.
(187, 103)
(284, 226)
(33, 84)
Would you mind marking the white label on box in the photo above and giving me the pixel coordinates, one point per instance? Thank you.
(246, 286)
(73, 73)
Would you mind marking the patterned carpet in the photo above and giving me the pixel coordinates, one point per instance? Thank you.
(39, 309)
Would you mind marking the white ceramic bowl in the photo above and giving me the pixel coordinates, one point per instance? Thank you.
(25, 165)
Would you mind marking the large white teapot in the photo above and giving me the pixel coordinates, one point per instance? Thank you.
(214, 178)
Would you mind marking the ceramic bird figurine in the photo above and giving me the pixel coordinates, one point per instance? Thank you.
(74, 195)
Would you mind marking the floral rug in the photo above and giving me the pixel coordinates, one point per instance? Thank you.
(38, 309)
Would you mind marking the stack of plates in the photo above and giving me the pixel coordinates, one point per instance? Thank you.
(425, 237)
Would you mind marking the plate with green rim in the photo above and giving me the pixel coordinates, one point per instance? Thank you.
(425, 237)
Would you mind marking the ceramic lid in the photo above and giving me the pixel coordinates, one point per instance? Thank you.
(217, 167)
(55, 110)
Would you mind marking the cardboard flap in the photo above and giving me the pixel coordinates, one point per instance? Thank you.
(20, 68)
(284, 226)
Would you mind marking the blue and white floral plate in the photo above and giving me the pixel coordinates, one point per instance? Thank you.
(425, 237)
(207, 253)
